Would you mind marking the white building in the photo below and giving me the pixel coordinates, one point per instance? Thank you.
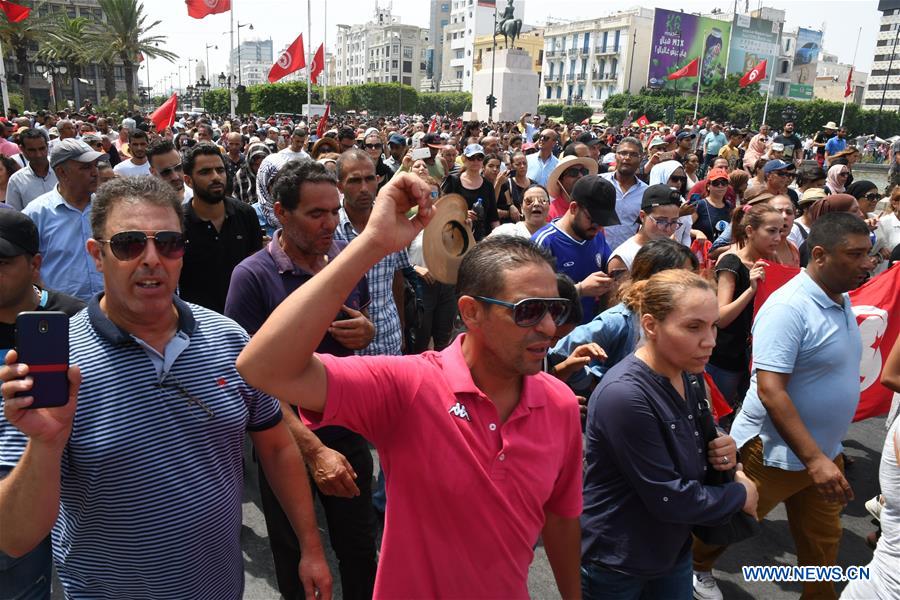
(468, 19)
(255, 58)
(381, 51)
(831, 81)
(588, 61)
(434, 53)
(884, 80)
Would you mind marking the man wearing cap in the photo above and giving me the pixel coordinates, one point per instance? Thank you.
(836, 144)
(396, 151)
(433, 142)
(593, 144)
(542, 163)
(482, 449)
(28, 576)
(568, 171)
(339, 461)
(36, 178)
(656, 153)
(137, 165)
(684, 145)
(779, 175)
(62, 217)
(629, 191)
(577, 241)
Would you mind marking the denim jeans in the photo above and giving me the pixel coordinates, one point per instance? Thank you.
(440, 310)
(27, 577)
(601, 583)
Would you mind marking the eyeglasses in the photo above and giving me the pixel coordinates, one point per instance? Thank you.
(171, 381)
(373, 146)
(873, 196)
(128, 245)
(719, 183)
(665, 223)
(530, 311)
(359, 180)
(530, 201)
(678, 178)
(579, 172)
(179, 168)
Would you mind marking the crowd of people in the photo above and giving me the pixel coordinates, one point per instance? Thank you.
(595, 378)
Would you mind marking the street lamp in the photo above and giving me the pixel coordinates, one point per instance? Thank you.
(398, 36)
(201, 88)
(54, 69)
(238, 28)
(208, 46)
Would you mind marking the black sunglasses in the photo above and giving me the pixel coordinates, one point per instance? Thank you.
(179, 168)
(128, 245)
(679, 178)
(579, 172)
(719, 183)
(530, 311)
(873, 196)
(373, 146)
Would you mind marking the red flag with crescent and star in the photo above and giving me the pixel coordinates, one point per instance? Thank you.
(292, 59)
(318, 64)
(203, 8)
(754, 75)
(689, 70)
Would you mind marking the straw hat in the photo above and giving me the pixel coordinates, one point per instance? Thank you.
(566, 162)
(447, 238)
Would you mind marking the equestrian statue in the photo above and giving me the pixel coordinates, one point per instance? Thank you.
(508, 25)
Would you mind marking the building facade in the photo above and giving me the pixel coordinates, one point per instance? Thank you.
(469, 19)
(251, 61)
(883, 86)
(589, 61)
(531, 41)
(381, 51)
(831, 81)
(434, 52)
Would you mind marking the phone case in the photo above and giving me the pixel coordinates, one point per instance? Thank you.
(42, 342)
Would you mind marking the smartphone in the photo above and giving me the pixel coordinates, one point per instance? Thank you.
(42, 342)
(421, 154)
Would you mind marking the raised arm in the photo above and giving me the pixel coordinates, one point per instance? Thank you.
(279, 358)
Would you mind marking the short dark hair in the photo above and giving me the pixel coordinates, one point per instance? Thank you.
(351, 155)
(33, 133)
(345, 132)
(134, 190)
(482, 271)
(292, 175)
(633, 141)
(831, 230)
(158, 148)
(137, 134)
(301, 131)
(201, 149)
(206, 128)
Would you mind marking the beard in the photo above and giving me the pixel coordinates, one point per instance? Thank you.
(210, 197)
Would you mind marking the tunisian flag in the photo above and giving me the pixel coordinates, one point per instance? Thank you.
(164, 116)
(757, 73)
(642, 121)
(290, 60)
(688, 70)
(318, 64)
(849, 89)
(323, 122)
(15, 13)
(202, 8)
(876, 305)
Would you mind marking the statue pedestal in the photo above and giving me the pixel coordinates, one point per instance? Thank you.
(516, 85)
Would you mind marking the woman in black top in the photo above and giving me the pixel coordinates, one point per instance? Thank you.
(478, 192)
(510, 189)
(757, 232)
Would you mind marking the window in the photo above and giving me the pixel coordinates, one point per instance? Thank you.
(445, 7)
(549, 93)
(407, 66)
(559, 92)
(784, 67)
(605, 40)
(613, 68)
(602, 68)
(458, 53)
(394, 64)
(616, 40)
(587, 41)
(407, 81)
(395, 49)
(407, 52)
(575, 41)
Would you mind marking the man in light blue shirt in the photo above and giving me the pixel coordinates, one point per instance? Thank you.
(712, 143)
(63, 217)
(34, 179)
(802, 398)
(629, 191)
(836, 144)
(542, 163)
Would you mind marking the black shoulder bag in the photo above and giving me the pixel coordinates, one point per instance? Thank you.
(740, 525)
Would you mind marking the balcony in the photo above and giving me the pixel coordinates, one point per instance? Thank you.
(584, 52)
(607, 51)
(553, 53)
(580, 77)
(608, 76)
(551, 78)
(572, 51)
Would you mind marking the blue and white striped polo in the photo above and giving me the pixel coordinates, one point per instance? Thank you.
(150, 502)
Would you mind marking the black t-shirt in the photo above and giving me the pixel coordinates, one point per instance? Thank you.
(49, 300)
(791, 143)
(487, 210)
(821, 138)
(732, 349)
(510, 191)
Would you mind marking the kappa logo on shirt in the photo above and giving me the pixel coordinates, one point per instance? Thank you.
(459, 410)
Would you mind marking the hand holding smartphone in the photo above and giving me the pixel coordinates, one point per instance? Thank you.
(42, 343)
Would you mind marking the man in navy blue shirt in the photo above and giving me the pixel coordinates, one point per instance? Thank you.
(577, 242)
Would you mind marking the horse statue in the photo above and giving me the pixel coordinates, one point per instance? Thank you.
(509, 26)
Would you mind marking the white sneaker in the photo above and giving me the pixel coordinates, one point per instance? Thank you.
(705, 587)
(873, 505)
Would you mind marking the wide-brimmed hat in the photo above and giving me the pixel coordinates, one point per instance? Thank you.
(567, 162)
(332, 144)
(447, 238)
(830, 125)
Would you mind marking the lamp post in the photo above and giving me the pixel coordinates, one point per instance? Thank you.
(52, 68)
(189, 61)
(238, 28)
(208, 46)
(399, 39)
(201, 88)
(491, 100)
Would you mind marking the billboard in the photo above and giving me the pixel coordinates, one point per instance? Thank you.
(679, 38)
(806, 58)
(752, 41)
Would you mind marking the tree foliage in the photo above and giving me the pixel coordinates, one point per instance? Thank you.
(726, 101)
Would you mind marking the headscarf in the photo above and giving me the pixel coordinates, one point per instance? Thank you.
(755, 149)
(268, 168)
(830, 204)
(834, 185)
(858, 189)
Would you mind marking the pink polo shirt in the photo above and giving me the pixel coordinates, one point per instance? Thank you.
(466, 493)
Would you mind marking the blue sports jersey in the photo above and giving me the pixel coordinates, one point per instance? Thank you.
(577, 259)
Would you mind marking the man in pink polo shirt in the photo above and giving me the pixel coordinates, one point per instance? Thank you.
(482, 451)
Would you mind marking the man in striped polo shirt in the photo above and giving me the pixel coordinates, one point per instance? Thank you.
(141, 485)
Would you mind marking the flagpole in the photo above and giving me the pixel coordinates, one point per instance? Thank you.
(230, 64)
(772, 74)
(308, 67)
(324, 43)
(699, 80)
(852, 66)
(3, 90)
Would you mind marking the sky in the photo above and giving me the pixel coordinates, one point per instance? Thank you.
(282, 20)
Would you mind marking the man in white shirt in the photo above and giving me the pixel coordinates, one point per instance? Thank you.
(35, 179)
(138, 164)
(295, 150)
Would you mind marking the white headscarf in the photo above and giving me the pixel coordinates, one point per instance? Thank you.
(660, 174)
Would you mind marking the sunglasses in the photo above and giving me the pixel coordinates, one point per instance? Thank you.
(174, 169)
(873, 196)
(128, 245)
(579, 172)
(719, 183)
(678, 178)
(530, 311)
(373, 146)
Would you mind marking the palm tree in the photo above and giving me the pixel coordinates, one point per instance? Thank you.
(65, 43)
(126, 33)
(18, 37)
(105, 55)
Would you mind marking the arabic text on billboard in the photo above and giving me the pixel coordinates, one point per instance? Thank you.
(752, 41)
(679, 38)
